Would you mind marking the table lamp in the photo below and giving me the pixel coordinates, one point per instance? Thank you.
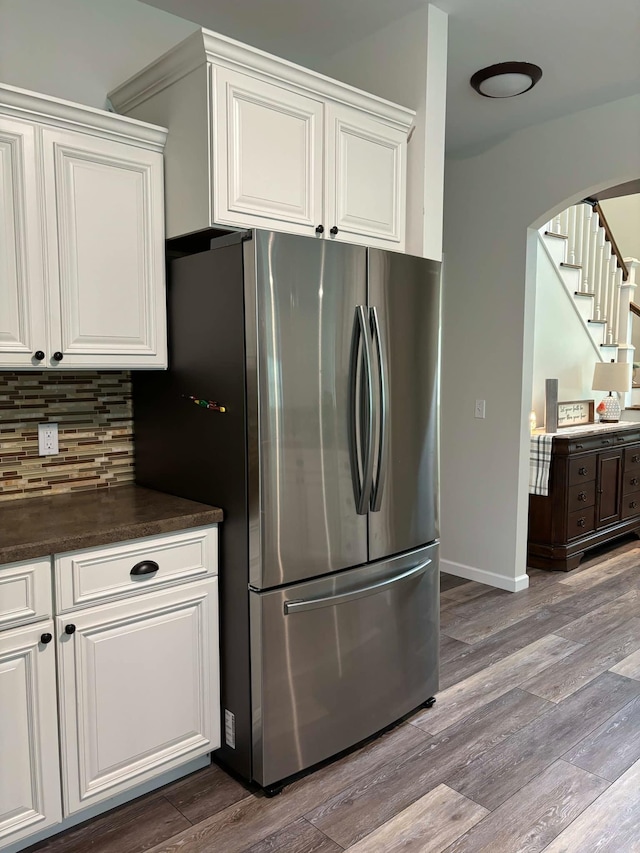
(611, 376)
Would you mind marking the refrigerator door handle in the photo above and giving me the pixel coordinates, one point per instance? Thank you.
(378, 484)
(301, 605)
(361, 343)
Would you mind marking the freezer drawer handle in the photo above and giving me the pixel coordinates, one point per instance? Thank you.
(299, 605)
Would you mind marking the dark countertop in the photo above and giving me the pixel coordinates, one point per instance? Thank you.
(37, 527)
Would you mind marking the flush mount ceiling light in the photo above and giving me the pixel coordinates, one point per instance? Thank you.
(506, 79)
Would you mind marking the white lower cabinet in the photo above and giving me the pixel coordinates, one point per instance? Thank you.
(138, 690)
(29, 760)
(135, 694)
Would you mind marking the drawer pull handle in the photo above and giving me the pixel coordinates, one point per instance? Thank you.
(633, 504)
(581, 522)
(635, 458)
(633, 481)
(46, 638)
(70, 629)
(146, 567)
(579, 446)
(582, 496)
(606, 441)
(582, 471)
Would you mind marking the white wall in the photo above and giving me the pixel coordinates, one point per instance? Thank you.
(563, 349)
(80, 49)
(491, 200)
(406, 62)
(623, 216)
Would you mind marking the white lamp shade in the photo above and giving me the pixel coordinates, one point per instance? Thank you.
(505, 85)
(612, 376)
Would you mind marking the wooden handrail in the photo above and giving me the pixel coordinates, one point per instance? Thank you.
(609, 236)
(635, 309)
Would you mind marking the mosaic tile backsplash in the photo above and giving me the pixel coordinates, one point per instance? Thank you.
(94, 417)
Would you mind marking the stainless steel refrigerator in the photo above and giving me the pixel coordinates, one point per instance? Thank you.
(325, 357)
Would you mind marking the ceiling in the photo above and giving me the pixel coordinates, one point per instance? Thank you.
(588, 49)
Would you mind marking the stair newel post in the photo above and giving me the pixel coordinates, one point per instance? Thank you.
(615, 279)
(626, 350)
(579, 232)
(571, 232)
(587, 245)
(606, 288)
(596, 268)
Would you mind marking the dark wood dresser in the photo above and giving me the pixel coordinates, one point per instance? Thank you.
(594, 496)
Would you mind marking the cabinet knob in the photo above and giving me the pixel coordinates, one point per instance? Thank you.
(38, 355)
(334, 230)
(582, 496)
(582, 471)
(581, 522)
(57, 356)
(635, 458)
(320, 229)
(70, 629)
(634, 481)
(46, 638)
(633, 504)
(146, 567)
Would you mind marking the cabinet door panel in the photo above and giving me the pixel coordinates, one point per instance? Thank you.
(267, 155)
(365, 178)
(22, 329)
(29, 778)
(106, 265)
(139, 690)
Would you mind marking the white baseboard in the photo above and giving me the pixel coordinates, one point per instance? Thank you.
(470, 573)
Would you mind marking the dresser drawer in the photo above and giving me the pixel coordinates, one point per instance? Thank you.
(631, 505)
(631, 458)
(134, 567)
(582, 496)
(631, 482)
(581, 522)
(582, 470)
(25, 592)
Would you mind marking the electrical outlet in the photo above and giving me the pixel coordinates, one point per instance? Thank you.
(480, 409)
(47, 439)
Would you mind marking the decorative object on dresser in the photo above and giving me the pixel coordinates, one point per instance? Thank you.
(257, 141)
(575, 413)
(593, 495)
(611, 376)
(551, 405)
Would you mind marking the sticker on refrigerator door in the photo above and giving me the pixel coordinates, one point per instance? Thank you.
(229, 729)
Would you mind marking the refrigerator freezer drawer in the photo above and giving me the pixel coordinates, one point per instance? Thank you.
(337, 659)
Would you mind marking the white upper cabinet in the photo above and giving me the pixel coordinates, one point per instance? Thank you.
(22, 328)
(365, 177)
(255, 141)
(265, 159)
(81, 237)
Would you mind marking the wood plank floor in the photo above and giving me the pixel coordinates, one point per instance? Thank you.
(533, 745)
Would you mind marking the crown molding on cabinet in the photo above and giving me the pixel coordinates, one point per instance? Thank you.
(45, 109)
(207, 46)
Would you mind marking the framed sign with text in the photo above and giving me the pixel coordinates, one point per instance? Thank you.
(575, 413)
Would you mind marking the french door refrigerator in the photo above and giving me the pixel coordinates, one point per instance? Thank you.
(325, 359)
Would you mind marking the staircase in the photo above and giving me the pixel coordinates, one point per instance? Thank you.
(600, 281)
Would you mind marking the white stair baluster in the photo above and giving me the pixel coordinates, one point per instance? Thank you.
(597, 274)
(606, 288)
(564, 222)
(571, 231)
(587, 251)
(594, 256)
(555, 225)
(579, 235)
